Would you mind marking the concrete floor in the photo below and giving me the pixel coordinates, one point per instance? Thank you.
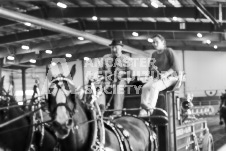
(218, 132)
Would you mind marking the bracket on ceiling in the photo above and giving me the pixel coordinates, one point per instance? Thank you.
(206, 13)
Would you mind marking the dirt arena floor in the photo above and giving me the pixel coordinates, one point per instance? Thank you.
(218, 132)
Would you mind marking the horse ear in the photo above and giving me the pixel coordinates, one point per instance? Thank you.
(73, 71)
(49, 73)
(1, 84)
(2, 81)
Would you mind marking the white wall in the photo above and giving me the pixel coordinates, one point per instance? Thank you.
(205, 71)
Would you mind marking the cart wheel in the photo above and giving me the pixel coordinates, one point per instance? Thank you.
(210, 143)
(207, 144)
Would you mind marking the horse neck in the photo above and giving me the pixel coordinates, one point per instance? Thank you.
(80, 138)
(17, 137)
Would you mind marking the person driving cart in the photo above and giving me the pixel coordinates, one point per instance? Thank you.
(115, 67)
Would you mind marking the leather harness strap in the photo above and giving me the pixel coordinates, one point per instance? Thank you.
(121, 134)
(152, 138)
(112, 127)
(124, 137)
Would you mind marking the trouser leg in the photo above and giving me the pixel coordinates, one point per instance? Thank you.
(119, 98)
(151, 90)
(145, 96)
(102, 102)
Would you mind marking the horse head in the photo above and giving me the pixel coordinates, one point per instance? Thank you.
(62, 103)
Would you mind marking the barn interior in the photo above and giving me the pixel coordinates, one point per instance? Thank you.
(36, 34)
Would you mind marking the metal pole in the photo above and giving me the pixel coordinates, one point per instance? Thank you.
(1, 79)
(24, 82)
(1, 65)
(13, 15)
(220, 13)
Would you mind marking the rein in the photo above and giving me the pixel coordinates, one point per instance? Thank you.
(15, 106)
(14, 129)
(19, 117)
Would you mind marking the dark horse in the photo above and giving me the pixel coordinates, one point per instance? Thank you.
(17, 136)
(75, 126)
(223, 110)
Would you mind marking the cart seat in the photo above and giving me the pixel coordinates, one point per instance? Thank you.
(159, 117)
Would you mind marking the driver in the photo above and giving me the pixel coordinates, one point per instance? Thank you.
(115, 67)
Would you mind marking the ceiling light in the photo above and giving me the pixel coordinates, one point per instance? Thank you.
(32, 61)
(135, 34)
(80, 38)
(175, 18)
(175, 3)
(154, 4)
(215, 46)
(27, 24)
(68, 55)
(208, 41)
(10, 58)
(199, 35)
(53, 63)
(62, 5)
(150, 40)
(25, 47)
(94, 17)
(49, 51)
(86, 58)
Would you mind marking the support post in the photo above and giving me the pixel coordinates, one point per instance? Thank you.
(1, 65)
(1, 81)
(24, 82)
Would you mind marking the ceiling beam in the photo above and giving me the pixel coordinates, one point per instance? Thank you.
(111, 25)
(52, 45)
(94, 54)
(124, 12)
(205, 12)
(62, 29)
(24, 36)
(75, 50)
(137, 25)
(1, 1)
(121, 12)
(175, 37)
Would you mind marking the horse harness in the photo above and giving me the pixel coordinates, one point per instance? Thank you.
(123, 137)
(69, 109)
(121, 133)
(5, 102)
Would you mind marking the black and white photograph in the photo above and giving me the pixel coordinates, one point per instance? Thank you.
(112, 75)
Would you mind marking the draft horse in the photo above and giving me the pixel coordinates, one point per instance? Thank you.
(75, 126)
(19, 135)
(223, 110)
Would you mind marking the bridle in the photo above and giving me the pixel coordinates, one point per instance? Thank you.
(5, 102)
(69, 97)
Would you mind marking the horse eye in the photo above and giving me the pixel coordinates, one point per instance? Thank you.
(66, 86)
(51, 90)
